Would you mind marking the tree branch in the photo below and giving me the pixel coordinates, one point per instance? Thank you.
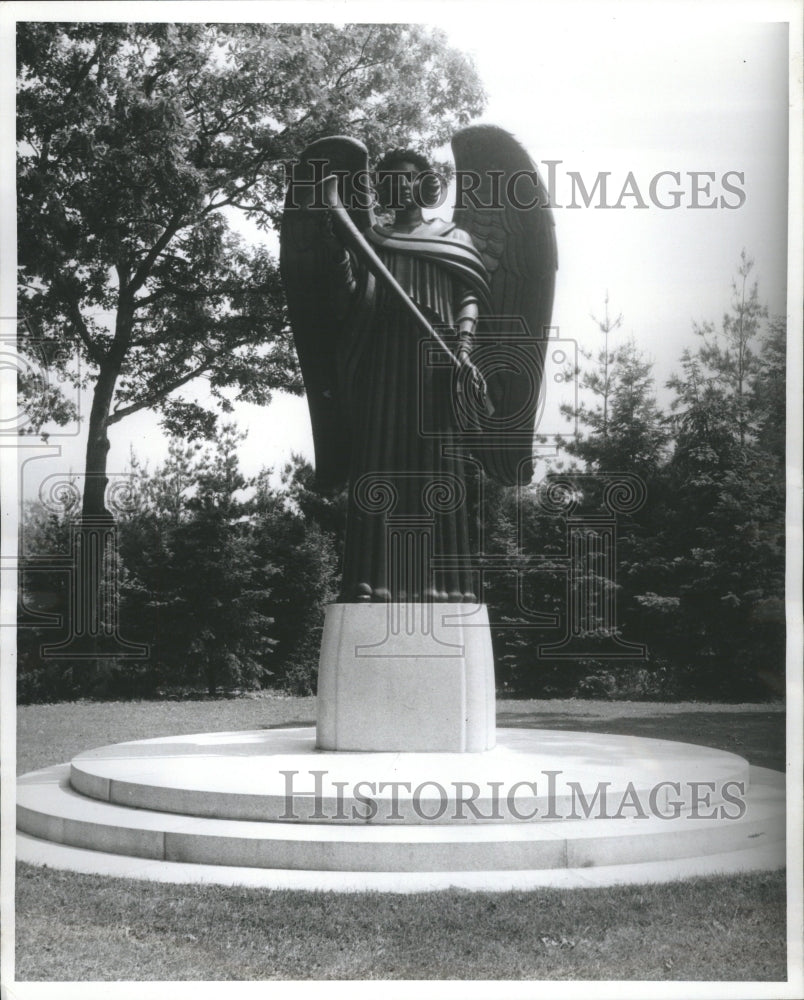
(82, 74)
(142, 271)
(79, 323)
(256, 165)
(356, 65)
(153, 397)
(228, 288)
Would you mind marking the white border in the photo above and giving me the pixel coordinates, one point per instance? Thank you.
(359, 10)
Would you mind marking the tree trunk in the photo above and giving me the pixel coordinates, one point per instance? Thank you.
(93, 619)
(95, 479)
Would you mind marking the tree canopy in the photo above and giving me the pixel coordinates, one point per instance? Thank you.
(137, 142)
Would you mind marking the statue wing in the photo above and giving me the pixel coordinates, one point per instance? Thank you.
(313, 296)
(518, 247)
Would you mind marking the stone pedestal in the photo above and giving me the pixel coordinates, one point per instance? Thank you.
(266, 808)
(406, 677)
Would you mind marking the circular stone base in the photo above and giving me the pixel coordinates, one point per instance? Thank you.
(543, 808)
(279, 776)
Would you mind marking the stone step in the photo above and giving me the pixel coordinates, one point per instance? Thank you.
(538, 775)
(45, 853)
(50, 809)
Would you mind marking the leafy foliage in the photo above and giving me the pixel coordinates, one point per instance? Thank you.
(137, 142)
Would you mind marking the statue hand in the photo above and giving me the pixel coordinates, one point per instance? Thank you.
(470, 381)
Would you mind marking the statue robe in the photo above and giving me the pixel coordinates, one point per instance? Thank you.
(407, 532)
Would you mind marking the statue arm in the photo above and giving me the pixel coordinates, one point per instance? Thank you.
(466, 322)
(470, 377)
(342, 267)
(467, 312)
(467, 307)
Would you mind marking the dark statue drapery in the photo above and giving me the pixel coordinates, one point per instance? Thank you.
(407, 535)
(385, 320)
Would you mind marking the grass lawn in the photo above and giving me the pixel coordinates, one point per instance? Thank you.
(86, 927)
(83, 927)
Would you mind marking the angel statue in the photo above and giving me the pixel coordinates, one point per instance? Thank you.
(421, 343)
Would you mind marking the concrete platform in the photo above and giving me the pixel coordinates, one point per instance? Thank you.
(280, 775)
(204, 808)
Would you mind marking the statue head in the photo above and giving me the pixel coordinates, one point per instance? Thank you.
(405, 176)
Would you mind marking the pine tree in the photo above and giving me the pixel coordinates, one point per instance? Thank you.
(197, 589)
(298, 533)
(727, 477)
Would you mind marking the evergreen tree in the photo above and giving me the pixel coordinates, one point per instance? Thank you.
(624, 429)
(727, 476)
(197, 589)
(768, 393)
(296, 532)
(42, 596)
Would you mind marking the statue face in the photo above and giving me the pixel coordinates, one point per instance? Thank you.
(407, 173)
(395, 185)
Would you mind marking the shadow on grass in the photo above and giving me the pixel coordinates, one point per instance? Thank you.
(758, 736)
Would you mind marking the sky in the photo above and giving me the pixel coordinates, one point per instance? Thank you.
(615, 89)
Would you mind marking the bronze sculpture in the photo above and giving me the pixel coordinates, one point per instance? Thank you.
(421, 343)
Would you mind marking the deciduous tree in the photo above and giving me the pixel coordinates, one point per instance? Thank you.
(136, 140)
